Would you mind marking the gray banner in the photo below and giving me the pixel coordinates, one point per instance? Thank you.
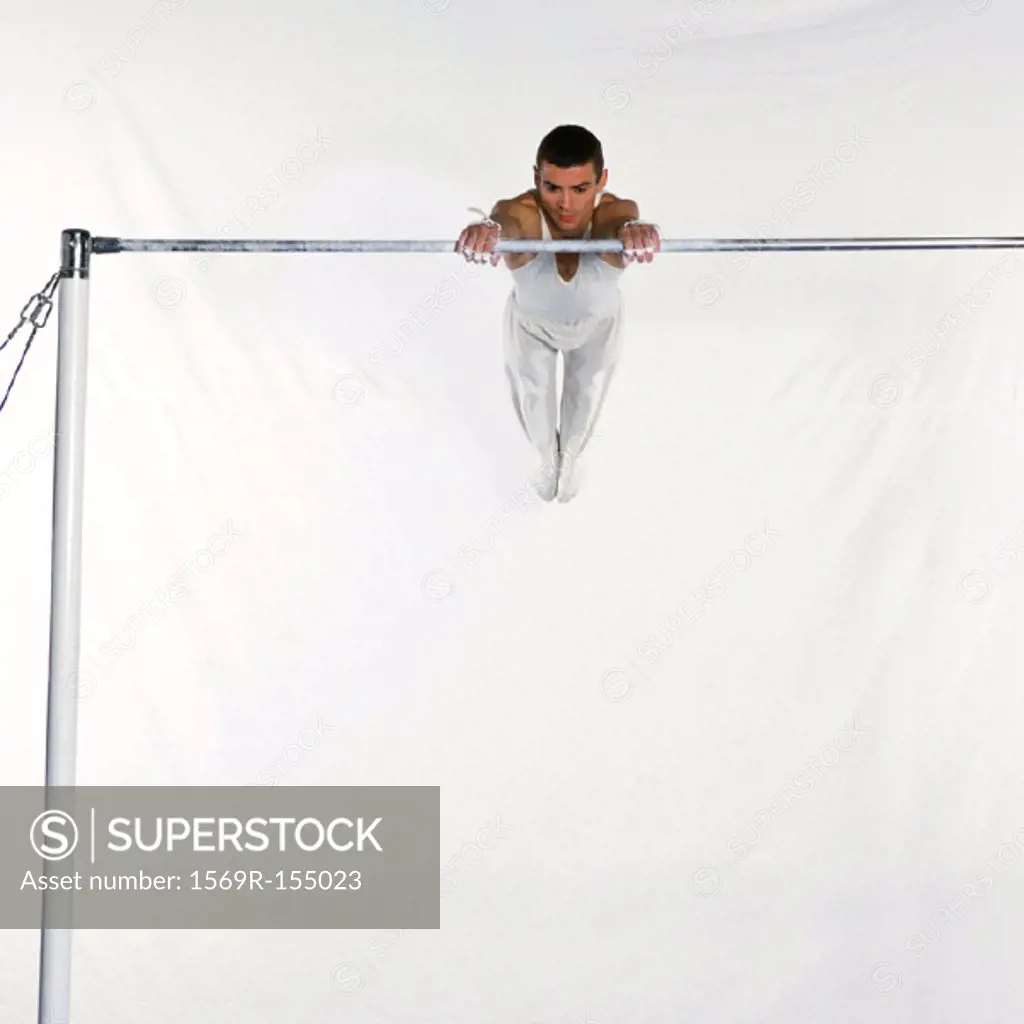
(220, 857)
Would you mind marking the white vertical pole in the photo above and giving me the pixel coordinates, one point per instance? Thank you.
(66, 587)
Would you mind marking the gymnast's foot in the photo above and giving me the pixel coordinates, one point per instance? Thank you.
(568, 477)
(545, 481)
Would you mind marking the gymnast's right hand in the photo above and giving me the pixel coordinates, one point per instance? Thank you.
(477, 242)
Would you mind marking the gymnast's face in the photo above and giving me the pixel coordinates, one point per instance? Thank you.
(567, 194)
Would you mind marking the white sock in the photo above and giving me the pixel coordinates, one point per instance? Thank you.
(545, 481)
(568, 477)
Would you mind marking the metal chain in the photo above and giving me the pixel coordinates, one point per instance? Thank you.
(36, 312)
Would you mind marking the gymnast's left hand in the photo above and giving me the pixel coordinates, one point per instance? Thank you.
(640, 241)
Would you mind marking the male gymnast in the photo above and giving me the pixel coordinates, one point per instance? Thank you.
(563, 303)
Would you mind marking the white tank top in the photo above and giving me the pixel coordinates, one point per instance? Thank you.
(542, 293)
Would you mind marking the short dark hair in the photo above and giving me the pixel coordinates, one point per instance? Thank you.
(570, 145)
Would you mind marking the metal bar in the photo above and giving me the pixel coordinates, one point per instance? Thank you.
(65, 590)
(102, 245)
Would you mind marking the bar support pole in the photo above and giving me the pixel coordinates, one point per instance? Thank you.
(65, 689)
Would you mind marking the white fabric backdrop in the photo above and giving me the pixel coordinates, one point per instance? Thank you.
(796, 797)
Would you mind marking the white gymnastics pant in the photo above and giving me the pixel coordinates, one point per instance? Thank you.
(531, 351)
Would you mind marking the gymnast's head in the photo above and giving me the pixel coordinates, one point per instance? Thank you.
(568, 174)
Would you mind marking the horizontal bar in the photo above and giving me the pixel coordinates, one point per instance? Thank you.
(101, 246)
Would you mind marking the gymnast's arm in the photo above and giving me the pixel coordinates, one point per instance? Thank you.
(609, 219)
(512, 215)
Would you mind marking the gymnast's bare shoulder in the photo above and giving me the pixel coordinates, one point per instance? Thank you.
(609, 215)
(519, 217)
